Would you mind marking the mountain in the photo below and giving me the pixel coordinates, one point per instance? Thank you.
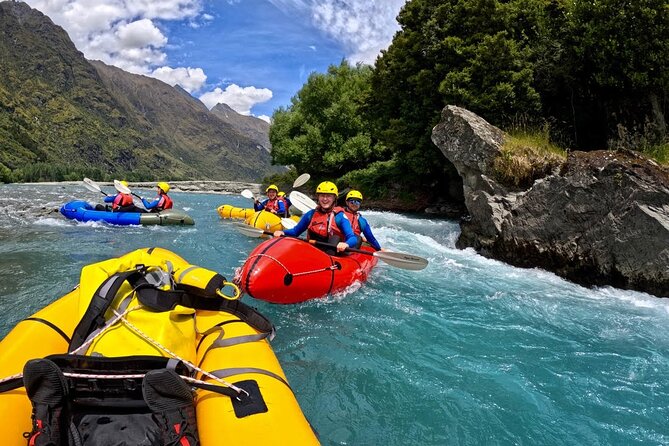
(254, 128)
(64, 117)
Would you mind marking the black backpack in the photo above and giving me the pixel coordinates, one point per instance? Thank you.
(148, 404)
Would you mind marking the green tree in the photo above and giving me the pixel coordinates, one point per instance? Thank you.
(323, 131)
(604, 67)
(472, 53)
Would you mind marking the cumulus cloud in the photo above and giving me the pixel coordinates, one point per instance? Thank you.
(364, 27)
(190, 79)
(123, 33)
(265, 118)
(240, 99)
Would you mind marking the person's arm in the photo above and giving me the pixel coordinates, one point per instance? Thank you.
(299, 228)
(367, 232)
(109, 198)
(259, 206)
(152, 204)
(345, 227)
(282, 208)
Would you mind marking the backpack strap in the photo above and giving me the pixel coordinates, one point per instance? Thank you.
(161, 300)
(93, 318)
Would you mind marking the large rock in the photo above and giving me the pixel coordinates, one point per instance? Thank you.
(602, 219)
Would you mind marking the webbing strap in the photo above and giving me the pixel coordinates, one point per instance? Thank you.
(219, 342)
(122, 307)
(160, 300)
(93, 318)
(237, 340)
(224, 373)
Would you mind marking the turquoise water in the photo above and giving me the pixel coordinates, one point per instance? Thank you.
(469, 351)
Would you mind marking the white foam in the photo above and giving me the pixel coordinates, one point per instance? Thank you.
(49, 221)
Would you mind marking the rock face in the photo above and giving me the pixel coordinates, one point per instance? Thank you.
(602, 219)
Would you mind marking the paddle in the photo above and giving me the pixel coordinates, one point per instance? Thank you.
(126, 190)
(248, 194)
(288, 223)
(343, 192)
(305, 204)
(302, 202)
(396, 259)
(301, 180)
(93, 186)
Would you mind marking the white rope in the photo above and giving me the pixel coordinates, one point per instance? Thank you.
(327, 268)
(128, 376)
(109, 323)
(9, 378)
(100, 376)
(269, 257)
(121, 317)
(303, 273)
(175, 356)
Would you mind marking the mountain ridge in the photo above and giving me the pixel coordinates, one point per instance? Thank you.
(63, 117)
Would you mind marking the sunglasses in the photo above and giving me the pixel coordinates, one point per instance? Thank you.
(355, 202)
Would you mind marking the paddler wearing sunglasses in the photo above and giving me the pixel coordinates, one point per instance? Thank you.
(358, 223)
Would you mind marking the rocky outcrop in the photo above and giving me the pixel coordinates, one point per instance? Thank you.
(601, 219)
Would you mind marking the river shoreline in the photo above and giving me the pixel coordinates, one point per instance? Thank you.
(201, 186)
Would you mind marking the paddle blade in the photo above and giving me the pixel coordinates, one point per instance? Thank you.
(91, 185)
(343, 192)
(288, 223)
(248, 194)
(301, 201)
(249, 231)
(121, 188)
(402, 260)
(301, 180)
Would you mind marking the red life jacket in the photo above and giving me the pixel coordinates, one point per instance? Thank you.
(164, 203)
(322, 225)
(272, 205)
(353, 218)
(121, 200)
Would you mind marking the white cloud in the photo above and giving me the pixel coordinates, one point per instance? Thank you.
(141, 33)
(240, 99)
(190, 79)
(123, 33)
(364, 27)
(265, 118)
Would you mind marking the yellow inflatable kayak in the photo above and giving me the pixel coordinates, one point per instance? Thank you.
(267, 221)
(229, 211)
(119, 358)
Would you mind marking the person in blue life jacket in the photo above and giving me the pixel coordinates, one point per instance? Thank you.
(162, 201)
(272, 203)
(286, 202)
(327, 223)
(358, 223)
(120, 202)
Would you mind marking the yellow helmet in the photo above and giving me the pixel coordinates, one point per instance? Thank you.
(281, 194)
(272, 186)
(354, 194)
(124, 182)
(164, 186)
(327, 187)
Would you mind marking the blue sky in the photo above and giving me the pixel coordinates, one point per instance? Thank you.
(253, 55)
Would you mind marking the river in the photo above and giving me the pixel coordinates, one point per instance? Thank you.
(469, 351)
